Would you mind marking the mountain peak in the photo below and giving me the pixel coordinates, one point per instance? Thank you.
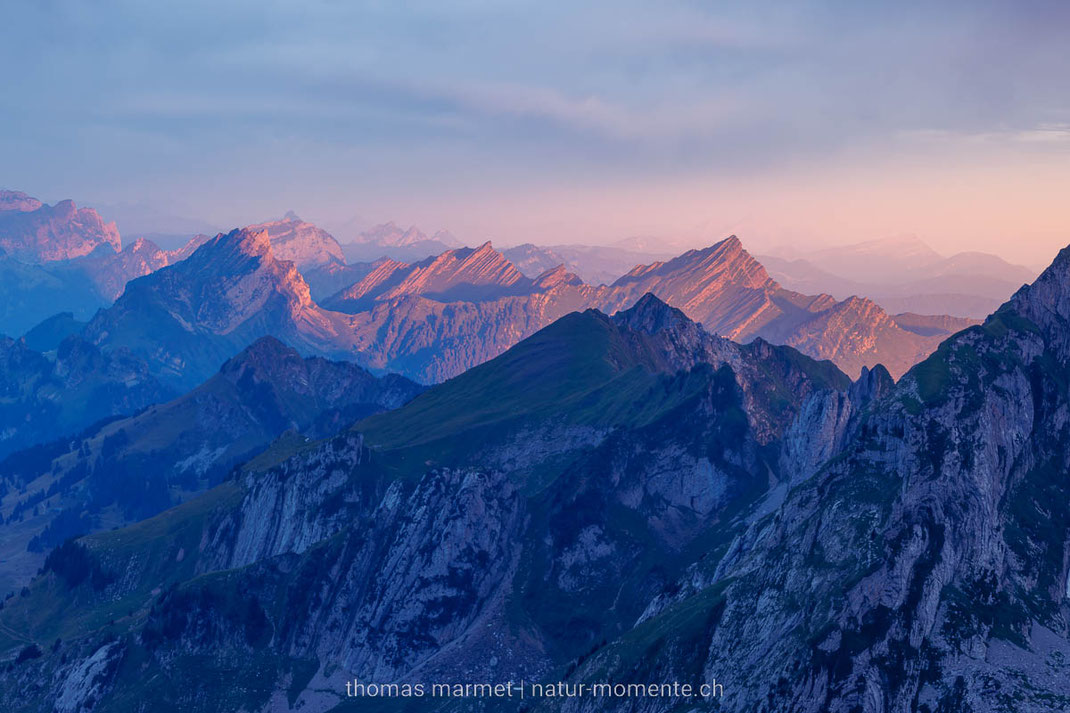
(303, 244)
(482, 266)
(142, 245)
(649, 314)
(265, 351)
(1047, 300)
(724, 260)
(710, 285)
(245, 241)
(555, 276)
(34, 231)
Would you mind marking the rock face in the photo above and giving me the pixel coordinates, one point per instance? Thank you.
(110, 272)
(18, 201)
(31, 292)
(721, 287)
(925, 566)
(461, 275)
(35, 232)
(169, 452)
(730, 293)
(429, 320)
(661, 505)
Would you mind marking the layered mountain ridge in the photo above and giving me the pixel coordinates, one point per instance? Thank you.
(615, 499)
(905, 275)
(48, 397)
(431, 319)
(446, 299)
(63, 258)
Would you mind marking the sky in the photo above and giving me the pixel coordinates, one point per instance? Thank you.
(788, 123)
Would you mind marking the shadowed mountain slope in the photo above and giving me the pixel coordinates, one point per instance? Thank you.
(45, 398)
(134, 467)
(497, 541)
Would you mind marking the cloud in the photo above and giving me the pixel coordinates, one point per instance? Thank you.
(393, 105)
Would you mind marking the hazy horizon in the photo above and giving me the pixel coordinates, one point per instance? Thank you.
(811, 124)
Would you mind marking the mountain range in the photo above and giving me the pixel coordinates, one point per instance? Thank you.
(186, 319)
(903, 274)
(392, 241)
(594, 264)
(430, 319)
(434, 319)
(493, 474)
(687, 473)
(623, 498)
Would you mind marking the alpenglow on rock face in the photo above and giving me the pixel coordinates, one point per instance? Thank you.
(64, 259)
(434, 319)
(33, 231)
(431, 319)
(188, 318)
(619, 498)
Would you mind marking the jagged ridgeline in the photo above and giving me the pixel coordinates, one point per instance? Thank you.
(624, 499)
